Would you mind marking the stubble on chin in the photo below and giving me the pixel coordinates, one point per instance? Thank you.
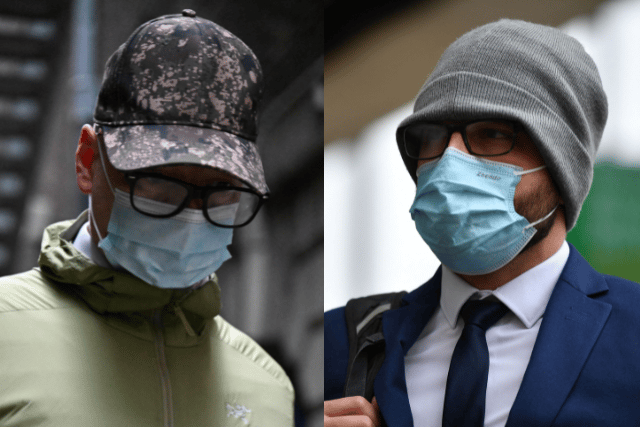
(537, 205)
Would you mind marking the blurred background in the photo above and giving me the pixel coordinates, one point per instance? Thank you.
(52, 55)
(376, 60)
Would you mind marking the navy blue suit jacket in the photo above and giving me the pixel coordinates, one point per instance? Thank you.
(584, 369)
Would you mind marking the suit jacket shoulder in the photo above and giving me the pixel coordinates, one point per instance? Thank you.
(583, 369)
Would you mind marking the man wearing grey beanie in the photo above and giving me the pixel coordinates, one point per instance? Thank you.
(515, 328)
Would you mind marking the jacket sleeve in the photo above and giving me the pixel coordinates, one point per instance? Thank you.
(336, 353)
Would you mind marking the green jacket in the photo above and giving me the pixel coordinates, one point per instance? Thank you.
(81, 345)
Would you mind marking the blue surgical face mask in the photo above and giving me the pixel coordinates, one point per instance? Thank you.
(464, 211)
(174, 252)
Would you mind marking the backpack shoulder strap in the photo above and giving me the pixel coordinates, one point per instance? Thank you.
(366, 340)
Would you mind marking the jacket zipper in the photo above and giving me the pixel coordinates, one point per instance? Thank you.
(167, 399)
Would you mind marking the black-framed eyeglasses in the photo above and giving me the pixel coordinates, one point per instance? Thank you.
(223, 204)
(485, 138)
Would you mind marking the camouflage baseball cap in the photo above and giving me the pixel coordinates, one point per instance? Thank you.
(182, 90)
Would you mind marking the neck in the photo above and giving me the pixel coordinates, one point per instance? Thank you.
(524, 261)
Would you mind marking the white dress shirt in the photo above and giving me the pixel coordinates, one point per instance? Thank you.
(510, 341)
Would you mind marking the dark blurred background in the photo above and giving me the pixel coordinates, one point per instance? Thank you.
(52, 55)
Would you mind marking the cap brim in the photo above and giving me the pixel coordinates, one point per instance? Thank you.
(143, 146)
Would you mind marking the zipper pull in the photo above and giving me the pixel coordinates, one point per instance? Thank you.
(185, 322)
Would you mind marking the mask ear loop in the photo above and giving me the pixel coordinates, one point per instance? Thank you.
(113, 265)
(547, 216)
(93, 221)
(518, 173)
(98, 131)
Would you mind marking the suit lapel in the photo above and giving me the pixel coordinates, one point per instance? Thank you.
(401, 328)
(572, 322)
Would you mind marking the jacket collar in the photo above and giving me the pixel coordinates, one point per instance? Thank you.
(119, 293)
(572, 322)
(571, 325)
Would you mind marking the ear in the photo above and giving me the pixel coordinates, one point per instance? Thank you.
(85, 154)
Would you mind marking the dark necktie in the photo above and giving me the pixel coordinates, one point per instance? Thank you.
(466, 390)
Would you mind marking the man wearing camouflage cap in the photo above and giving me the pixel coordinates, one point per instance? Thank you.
(515, 328)
(120, 324)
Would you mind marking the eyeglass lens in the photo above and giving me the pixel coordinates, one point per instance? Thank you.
(227, 207)
(484, 138)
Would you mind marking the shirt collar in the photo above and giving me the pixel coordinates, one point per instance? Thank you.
(526, 296)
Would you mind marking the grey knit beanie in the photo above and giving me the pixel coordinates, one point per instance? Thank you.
(530, 73)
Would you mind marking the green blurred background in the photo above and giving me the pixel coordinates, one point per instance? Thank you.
(607, 233)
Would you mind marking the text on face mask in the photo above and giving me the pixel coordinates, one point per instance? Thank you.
(493, 177)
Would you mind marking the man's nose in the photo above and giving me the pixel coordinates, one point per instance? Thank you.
(457, 142)
(195, 203)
